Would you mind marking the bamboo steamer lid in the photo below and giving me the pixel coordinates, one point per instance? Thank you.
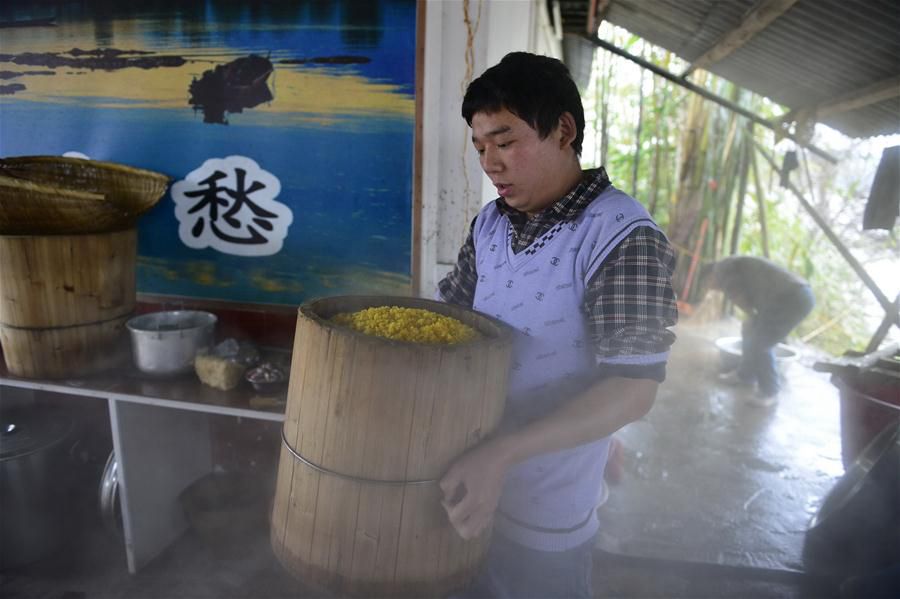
(28, 208)
(132, 191)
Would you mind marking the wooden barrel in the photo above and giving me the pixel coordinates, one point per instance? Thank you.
(64, 300)
(371, 425)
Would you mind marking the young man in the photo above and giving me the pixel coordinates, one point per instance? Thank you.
(583, 273)
(776, 301)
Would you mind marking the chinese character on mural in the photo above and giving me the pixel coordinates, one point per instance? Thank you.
(228, 204)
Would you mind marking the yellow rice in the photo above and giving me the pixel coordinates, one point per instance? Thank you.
(407, 324)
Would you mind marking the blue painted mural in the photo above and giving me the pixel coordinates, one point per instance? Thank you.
(287, 128)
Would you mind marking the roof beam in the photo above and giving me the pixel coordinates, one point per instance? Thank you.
(871, 94)
(805, 117)
(756, 20)
(596, 14)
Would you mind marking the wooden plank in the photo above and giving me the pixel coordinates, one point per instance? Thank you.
(871, 94)
(756, 20)
(388, 397)
(348, 398)
(303, 484)
(416, 258)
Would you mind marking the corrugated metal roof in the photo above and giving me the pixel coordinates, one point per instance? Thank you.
(815, 52)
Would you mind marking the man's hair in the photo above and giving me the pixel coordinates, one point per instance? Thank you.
(537, 89)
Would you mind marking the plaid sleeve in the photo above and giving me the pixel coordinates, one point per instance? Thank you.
(631, 304)
(458, 287)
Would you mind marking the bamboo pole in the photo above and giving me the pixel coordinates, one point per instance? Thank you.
(727, 174)
(883, 328)
(742, 190)
(858, 268)
(824, 327)
(604, 112)
(761, 205)
(637, 134)
(598, 99)
(695, 258)
(654, 171)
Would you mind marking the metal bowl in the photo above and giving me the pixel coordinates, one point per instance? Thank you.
(267, 386)
(165, 343)
(730, 352)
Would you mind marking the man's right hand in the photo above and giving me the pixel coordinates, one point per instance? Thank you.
(472, 488)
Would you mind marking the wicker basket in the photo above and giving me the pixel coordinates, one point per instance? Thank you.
(30, 209)
(133, 191)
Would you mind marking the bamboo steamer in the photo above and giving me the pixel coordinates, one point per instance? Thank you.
(64, 300)
(371, 425)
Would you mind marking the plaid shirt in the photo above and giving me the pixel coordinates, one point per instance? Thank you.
(629, 300)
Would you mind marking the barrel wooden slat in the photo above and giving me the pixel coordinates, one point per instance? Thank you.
(378, 410)
(300, 512)
(345, 397)
(59, 353)
(64, 300)
(375, 548)
(62, 280)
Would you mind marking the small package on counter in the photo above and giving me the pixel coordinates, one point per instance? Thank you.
(224, 366)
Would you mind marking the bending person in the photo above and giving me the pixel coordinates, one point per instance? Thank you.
(776, 300)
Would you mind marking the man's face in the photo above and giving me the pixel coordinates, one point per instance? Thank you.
(524, 168)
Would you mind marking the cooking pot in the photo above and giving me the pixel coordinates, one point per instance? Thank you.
(32, 487)
(110, 510)
(857, 530)
(165, 343)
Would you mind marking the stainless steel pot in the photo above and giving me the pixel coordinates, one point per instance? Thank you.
(32, 488)
(165, 343)
(108, 497)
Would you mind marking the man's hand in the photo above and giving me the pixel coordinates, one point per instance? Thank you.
(473, 483)
(472, 488)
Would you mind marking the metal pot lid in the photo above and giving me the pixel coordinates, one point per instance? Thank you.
(27, 431)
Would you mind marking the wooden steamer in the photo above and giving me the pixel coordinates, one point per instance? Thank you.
(64, 300)
(371, 424)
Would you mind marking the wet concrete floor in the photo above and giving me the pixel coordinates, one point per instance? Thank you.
(709, 478)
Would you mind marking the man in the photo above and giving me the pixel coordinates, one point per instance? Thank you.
(583, 273)
(775, 301)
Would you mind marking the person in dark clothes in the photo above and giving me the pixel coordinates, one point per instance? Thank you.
(776, 301)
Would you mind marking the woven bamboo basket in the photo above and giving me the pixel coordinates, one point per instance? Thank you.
(132, 190)
(28, 208)
(370, 427)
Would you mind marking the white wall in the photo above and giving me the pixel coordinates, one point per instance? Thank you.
(453, 185)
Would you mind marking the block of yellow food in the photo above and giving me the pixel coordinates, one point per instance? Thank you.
(407, 324)
(220, 373)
